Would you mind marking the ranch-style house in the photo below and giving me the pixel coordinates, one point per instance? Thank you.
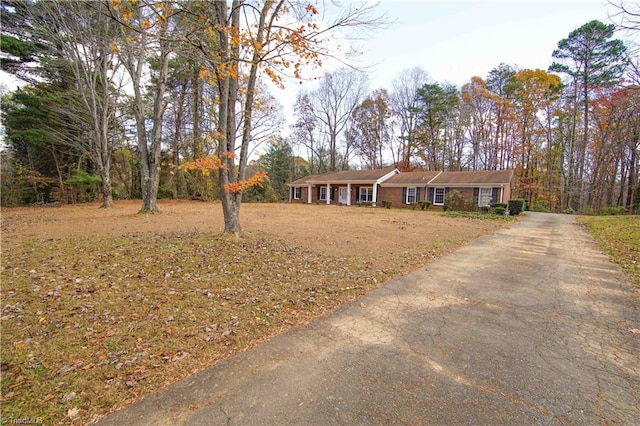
(402, 189)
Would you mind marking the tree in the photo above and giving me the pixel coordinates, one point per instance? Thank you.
(334, 101)
(478, 102)
(20, 43)
(592, 60)
(535, 94)
(436, 105)
(305, 131)
(35, 135)
(370, 128)
(404, 102)
(249, 37)
(85, 33)
(145, 31)
(278, 163)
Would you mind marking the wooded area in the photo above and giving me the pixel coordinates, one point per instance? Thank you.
(139, 99)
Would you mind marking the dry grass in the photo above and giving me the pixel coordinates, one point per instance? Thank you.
(100, 307)
(619, 236)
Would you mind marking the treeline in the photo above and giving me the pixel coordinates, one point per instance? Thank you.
(572, 133)
(123, 94)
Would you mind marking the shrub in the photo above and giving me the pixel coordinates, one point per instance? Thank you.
(414, 205)
(499, 211)
(540, 206)
(424, 204)
(386, 204)
(613, 210)
(454, 201)
(516, 206)
(484, 209)
(85, 186)
(568, 210)
(503, 205)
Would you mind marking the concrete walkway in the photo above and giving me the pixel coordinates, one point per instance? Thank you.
(531, 325)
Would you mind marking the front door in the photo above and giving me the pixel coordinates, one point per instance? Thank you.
(343, 196)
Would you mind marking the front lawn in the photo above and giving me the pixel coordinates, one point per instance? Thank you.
(619, 236)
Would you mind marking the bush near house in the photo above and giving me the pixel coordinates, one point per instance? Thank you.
(424, 204)
(516, 206)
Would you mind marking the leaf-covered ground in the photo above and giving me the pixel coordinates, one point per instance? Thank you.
(100, 307)
(619, 236)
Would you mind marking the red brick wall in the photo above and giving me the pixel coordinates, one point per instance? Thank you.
(395, 196)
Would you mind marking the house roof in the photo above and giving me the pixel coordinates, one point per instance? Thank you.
(345, 176)
(473, 178)
(432, 178)
(410, 178)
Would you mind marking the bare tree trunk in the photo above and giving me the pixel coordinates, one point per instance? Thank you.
(227, 76)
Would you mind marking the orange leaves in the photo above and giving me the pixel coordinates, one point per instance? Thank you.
(203, 73)
(206, 165)
(311, 9)
(256, 180)
(212, 163)
(230, 155)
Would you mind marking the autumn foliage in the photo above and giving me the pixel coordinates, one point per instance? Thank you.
(212, 163)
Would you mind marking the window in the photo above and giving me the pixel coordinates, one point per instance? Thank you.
(484, 196)
(323, 193)
(297, 193)
(412, 195)
(438, 196)
(366, 195)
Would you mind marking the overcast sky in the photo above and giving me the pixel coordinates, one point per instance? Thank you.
(456, 40)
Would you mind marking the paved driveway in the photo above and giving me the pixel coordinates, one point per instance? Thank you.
(531, 325)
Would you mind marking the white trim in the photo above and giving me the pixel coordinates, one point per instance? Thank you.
(320, 193)
(343, 195)
(295, 189)
(444, 194)
(415, 195)
(481, 196)
(369, 189)
(309, 194)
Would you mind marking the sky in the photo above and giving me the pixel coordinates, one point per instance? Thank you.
(456, 40)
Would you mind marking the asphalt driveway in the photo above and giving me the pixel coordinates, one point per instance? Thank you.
(531, 325)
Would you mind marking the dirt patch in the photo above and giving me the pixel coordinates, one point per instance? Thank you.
(101, 307)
